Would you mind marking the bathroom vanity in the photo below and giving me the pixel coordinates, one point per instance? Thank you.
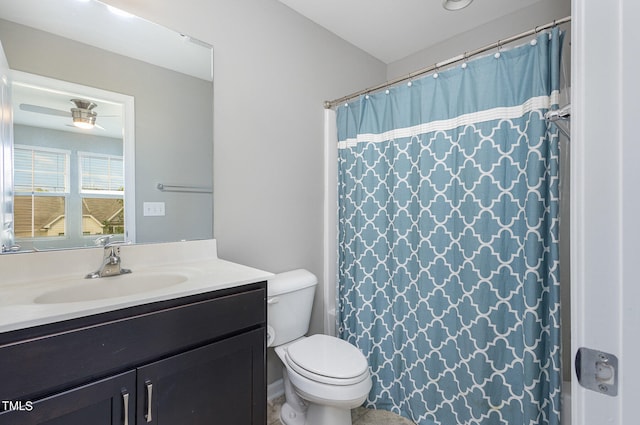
(190, 354)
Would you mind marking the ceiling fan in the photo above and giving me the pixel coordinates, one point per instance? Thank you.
(82, 114)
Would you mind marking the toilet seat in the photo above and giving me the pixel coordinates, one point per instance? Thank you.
(327, 360)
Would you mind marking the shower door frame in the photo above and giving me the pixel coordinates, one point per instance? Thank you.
(605, 206)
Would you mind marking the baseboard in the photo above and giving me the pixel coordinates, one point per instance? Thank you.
(275, 389)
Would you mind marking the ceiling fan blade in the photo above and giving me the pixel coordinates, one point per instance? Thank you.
(44, 110)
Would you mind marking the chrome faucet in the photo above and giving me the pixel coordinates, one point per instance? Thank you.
(7, 239)
(111, 263)
(10, 248)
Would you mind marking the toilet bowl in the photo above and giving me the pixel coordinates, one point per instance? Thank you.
(324, 377)
(328, 377)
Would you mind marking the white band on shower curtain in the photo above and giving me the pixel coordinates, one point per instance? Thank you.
(330, 221)
(511, 112)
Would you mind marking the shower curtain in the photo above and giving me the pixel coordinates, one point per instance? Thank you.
(448, 270)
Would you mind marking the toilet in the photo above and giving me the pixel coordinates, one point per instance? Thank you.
(324, 377)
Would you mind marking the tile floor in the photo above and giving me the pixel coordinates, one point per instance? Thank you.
(361, 416)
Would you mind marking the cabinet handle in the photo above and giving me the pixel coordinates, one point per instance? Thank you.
(149, 397)
(125, 401)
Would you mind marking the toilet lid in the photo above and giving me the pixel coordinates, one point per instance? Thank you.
(328, 356)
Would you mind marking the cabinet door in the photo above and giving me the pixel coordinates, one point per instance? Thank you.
(221, 383)
(109, 401)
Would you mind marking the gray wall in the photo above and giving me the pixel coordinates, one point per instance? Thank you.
(173, 133)
(528, 18)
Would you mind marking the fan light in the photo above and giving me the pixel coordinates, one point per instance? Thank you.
(455, 4)
(83, 123)
(82, 114)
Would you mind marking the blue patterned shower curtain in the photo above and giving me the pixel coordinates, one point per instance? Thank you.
(448, 267)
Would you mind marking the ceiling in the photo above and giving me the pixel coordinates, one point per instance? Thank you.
(97, 24)
(109, 122)
(394, 29)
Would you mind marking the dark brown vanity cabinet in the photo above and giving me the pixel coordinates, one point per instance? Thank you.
(189, 361)
(177, 390)
(104, 402)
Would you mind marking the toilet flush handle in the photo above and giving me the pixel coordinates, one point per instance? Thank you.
(272, 300)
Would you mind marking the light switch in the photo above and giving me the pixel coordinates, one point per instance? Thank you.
(153, 209)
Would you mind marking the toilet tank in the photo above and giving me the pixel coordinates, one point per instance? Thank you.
(289, 302)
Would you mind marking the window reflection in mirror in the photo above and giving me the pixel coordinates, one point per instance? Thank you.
(48, 204)
(69, 185)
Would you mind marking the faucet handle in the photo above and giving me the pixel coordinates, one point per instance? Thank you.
(10, 248)
(117, 243)
(103, 240)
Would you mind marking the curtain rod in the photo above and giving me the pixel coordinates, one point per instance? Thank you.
(465, 56)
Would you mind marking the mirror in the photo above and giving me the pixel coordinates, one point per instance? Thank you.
(153, 94)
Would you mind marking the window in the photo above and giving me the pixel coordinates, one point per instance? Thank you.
(102, 174)
(41, 184)
(41, 170)
(102, 192)
(48, 203)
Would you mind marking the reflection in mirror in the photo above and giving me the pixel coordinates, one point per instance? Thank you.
(88, 53)
(70, 145)
(7, 242)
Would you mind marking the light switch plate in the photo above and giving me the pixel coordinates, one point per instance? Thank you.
(153, 209)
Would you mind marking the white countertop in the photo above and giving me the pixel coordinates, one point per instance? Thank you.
(196, 262)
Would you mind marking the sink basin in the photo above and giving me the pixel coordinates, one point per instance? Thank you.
(77, 290)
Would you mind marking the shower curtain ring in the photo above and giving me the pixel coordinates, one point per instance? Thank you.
(535, 36)
(497, 55)
(435, 67)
